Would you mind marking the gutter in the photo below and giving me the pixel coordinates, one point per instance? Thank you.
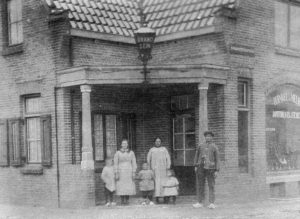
(57, 157)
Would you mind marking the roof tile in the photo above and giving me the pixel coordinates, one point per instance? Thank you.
(122, 17)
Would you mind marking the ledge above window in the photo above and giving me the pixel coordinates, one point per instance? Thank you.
(13, 49)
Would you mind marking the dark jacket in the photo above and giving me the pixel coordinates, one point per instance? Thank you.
(207, 156)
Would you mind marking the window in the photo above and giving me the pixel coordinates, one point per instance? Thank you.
(14, 21)
(104, 136)
(38, 132)
(3, 143)
(243, 125)
(287, 25)
(36, 129)
(283, 128)
(184, 142)
(33, 135)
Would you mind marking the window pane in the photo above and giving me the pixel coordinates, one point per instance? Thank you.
(243, 140)
(33, 140)
(189, 157)
(15, 24)
(189, 124)
(295, 27)
(98, 137)
(32, 105)
(13, 34)
(178, 142)
(242, 94)
(190, 142)
(281, 23)
(3, 143)
(111, 135)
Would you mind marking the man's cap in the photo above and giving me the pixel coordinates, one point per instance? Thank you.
(208, 133)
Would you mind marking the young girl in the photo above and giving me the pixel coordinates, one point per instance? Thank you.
(146, 184)
(171, 187)
(108, 177)
(125, 167)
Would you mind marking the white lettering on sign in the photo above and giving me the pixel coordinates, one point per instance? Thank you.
(286, 115)
(286, 97)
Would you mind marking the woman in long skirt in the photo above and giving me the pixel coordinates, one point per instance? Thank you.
(125, 168)
(159, 161)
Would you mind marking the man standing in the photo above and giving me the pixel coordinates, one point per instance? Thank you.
(206, 164)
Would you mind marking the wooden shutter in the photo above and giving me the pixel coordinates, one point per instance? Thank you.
(46, 140)
(14, 142)
(3, 143)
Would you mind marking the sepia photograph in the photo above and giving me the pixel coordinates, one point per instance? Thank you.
(150, 109)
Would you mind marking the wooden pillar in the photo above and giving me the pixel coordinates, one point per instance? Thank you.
(87, 161)
(203, 116)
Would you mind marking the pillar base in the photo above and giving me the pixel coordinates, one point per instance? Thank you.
(87, 162)
(87, 165)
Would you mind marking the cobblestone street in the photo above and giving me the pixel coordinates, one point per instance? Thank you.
(271, 209)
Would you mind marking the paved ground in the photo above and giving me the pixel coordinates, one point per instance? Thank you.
(270, 209)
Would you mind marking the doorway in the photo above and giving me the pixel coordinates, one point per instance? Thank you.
(184, 142)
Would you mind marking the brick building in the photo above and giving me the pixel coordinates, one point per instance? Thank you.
(71, 89)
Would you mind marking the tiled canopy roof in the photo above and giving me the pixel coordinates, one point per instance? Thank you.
(122, 17)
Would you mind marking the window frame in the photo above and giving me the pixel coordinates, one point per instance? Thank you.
(289, 4)
(103, 114)
(19, 14)
(245, 108)
(30, 116)
(7, 48)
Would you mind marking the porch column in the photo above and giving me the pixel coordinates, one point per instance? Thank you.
(203, 117)
(87, 161)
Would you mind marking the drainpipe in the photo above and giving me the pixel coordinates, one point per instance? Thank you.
(57, 157)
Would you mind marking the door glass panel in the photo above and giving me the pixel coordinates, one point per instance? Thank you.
(189, 157)
(178, 144)
(190, 141)
(178, 158)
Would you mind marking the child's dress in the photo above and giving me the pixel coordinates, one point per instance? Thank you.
(171, 186)
(108, 177)
(147, 180)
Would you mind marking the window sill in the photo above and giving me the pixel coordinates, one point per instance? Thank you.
(287, 51)
(32, 170)
(10, 50)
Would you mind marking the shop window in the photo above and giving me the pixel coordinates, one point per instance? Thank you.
(243, 125)
(283, 129)
(287, 27)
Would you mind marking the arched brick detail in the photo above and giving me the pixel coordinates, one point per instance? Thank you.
(279, 81)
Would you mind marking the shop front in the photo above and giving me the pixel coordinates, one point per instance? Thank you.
(175, 111)
(283, 139)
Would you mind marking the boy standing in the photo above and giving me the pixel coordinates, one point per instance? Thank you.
(108, 177)
(206, 164)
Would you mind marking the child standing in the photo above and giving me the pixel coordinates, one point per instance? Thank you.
(108, 177)
(171, 186)
(146, 184)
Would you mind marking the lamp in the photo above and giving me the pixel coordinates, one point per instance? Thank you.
(144, 38)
